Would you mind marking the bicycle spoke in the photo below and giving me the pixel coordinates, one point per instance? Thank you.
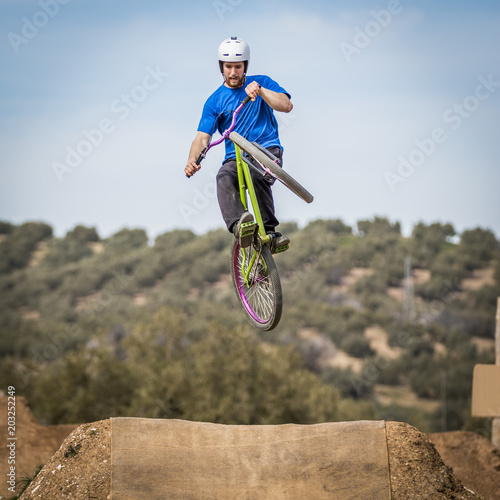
(261, 296)
(260, 292)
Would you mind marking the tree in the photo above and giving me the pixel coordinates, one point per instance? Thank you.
(342, 379)
(173, 239)
(17, 248)
(227, 377)
(126, 239)
(72, 248)
(357, 345)
(378, 225)
(82, 234)
(479, 245)
(428, 240)
(92, 384)
(335, 226)
(6, 227)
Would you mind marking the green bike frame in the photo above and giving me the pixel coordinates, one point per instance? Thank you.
(246, 184)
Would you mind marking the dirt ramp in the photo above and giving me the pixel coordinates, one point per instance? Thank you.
(417, 470)
(80, 469)
(26, 443)
(474, 459)
(154, 459)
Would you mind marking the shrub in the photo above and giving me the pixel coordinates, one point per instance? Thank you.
(357, 345)
(428, 240)
(17, 248)
(335, 226)
(479, 245)
(64, 251)
(174, 239)
(125, 240)
(6, 227)
(378, 226)
(82, 234)
(342, 379)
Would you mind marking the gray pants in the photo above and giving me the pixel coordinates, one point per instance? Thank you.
(228, 193)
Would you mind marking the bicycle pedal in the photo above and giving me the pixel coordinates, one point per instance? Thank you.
(281, 249)
(247, 228)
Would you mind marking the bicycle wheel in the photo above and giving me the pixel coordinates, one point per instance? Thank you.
(277, 171)
(260, 294)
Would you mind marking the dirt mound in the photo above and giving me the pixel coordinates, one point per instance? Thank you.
(416, 468)
(81, 467)
(34, 443)
(475, 461)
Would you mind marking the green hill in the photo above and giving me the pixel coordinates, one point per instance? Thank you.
(92, 328)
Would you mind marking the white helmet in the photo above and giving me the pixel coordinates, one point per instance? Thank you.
(234, 49)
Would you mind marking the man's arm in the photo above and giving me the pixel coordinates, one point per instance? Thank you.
(200, 141)
(276, 100)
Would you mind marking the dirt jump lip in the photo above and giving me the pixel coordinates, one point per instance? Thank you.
(153, 458)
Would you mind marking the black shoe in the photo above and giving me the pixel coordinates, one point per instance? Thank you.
(244, 229)
(279, 243)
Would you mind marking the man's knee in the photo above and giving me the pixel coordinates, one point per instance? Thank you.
(226, 180)
(227, 169)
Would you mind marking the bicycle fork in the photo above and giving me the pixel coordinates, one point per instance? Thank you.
(251, 271)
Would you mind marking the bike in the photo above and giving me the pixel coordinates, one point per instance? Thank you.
(253, 270)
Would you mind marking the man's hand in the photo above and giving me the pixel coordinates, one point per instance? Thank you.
(277, 101)
(191, 168)
(253, 90)
(200, 142)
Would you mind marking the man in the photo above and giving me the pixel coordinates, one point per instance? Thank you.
(256, 123)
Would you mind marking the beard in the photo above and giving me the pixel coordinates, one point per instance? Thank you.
(235, 82)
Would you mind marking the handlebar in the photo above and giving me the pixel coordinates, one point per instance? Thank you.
(245, 101)
(226, 132)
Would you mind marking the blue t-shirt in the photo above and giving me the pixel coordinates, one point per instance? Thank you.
(255, 122)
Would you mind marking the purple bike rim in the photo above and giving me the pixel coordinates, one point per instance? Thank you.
(241, 288)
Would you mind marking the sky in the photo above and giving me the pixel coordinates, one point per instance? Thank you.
(396, 109)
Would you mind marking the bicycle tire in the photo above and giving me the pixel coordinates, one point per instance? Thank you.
(261, 299)
(277, 171)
